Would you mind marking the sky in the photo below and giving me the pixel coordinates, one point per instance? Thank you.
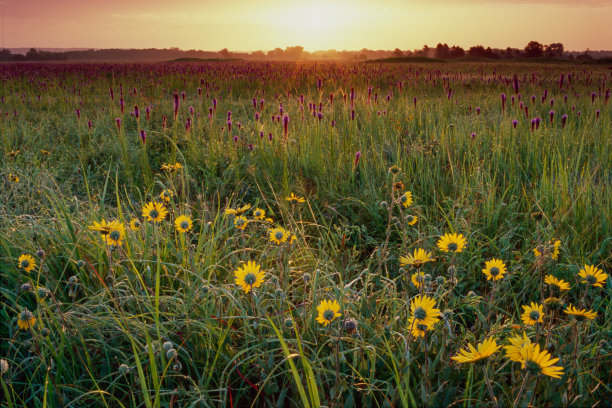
(249, 25)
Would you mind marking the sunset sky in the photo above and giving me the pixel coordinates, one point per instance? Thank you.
(248, 25)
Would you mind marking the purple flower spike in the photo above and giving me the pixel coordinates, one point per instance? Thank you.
(143, 136)
(563, 120)
(357, 157)
(514, 123)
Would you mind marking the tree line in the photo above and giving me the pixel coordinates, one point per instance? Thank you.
(533, 49)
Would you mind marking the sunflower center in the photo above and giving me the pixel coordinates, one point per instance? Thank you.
(422, 327)
(452, 247)
(25, 263)
(184, 225)
(403, 198)
(328, 315)
(154, 214)
(494, 271)
(591, 280)
(410, 218)
(250, 279)
(257, 214)
(115, 235)
(533, 367)
(279, 235)
(420, 313)
(534, 315)
(555, 287)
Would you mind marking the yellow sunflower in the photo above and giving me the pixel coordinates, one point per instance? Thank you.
(102, 227)
(249, 276)
(242, 209)
(482, 350)
(26, 320)
(26, 262)
(451, 243)
(494, 269)
(533, 314)
(423, 315)
(278, 235)
(229, 211)
(538, 362)
(418, 279)
(13, 178)
(513, 350)
(591, 275)
(417, 259)
(412, 219)
(259, 214)
(154, 211)
(580, 314)
(556, 284)
(406, 199)
(116, 234)
(241, 222)
(171, 167)
(166, 195)
(183, 223)
(550, 249)
(135, 224)
(293, 199)
(328, 310)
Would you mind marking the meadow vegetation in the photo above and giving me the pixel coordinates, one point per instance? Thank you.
(282, 234)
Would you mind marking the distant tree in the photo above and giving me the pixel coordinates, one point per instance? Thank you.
(276, 53)
(294, 52)
(554, 50)
(456, 52)
(442, 51)
(225, 53)
(534, 49)
(258, 55)
(398, 53)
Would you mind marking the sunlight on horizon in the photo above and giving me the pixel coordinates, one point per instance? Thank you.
(243, 25)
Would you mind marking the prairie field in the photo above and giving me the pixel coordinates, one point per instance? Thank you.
(283, 234)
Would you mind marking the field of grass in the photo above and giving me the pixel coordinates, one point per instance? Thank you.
(294, 277)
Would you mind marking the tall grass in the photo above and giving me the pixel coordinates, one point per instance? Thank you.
(159, 321)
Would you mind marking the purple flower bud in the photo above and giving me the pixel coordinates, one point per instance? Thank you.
(89, 124)
(121, 104)
(503, 100)
(118, 123)
(352, 114)
(136, 112)
(414, 100)
(597, 114)
(229, 125)
(235, 139)
(473, 135)
(199, 91)
(176, 100)
(250, 146)
(563, 120)
(143, 136)
(78, 113)
(514, 123)
(112, 95)
(537, 122)
(333, 123)
(261, 134)
(256, 116)
(270, 137)
(478, 110)
(593, 95)
(285, 126)
(357, 157)
(552, 115)
(183, 96)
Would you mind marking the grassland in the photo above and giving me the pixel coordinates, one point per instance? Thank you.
(153, 316)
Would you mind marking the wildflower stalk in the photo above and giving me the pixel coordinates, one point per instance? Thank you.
(518, 396)
(488, 382)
